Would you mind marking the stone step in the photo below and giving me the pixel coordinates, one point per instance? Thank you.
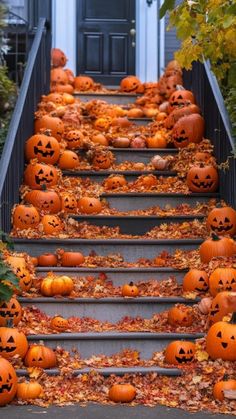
(119, 276)
(132, 200)
(142, 155)
(133, 249)
(111, 371)
(105, 309)
(101, 175)
(109, 343)
(136, 121)
(134, 224)
(116, 98)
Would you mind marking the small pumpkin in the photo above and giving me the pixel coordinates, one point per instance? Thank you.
(56, 285)
(188, 129)
(138, 142)
(34, 260)
(69, 160)
(47, 259)
(102, 160)
(222, 220)
(25, 216)
(52, 224)
(72, 259)
(100, 139)
(58, 58)
(54, 124)
(159, 163)
(221, 386)
(12, 342)
(8, 382)
(40, 356)
(180, 315)
(68, 203)
(38, 174)
(115, 182)
(130, 290)
(83, 83)
(59, 323)
(130, 84)
(180, 98)
(179, 352)
(46, 200)
(195, 280)
(87, 205)
(216, 246)
(148, 181)
(135, 113)
(58, 76)
(102, 124)
(222, 279)
(74, 139)
(221, 340)
(10, 310)
(122, 393)
(121, 142)
(29, 390)
(202, 178)
(158, 141)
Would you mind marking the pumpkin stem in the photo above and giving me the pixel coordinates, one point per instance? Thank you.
(180, 87)
(215, 237)
(225, 377)
(131, 284)
(233, 318)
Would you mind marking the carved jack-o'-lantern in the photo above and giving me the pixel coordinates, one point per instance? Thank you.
(10, 310)
(170, 84)
(68, 203)
(40, 356)
(221, 340)
(46, 200)
(188, 129)
(25, 216)
(102, 159)
(102, 124)
(179, 352)
(196, 280)
(83, 83)
(74, 139)
(43, 148)
(38, 174)
(202, 179)
(58, 58)
(130, 84)
(115, 182)
(55, 125)
(180, 98)
(220, 307)
(222, 279)
(18, 266)
(8, 382)
(12, 342)
(87, 205)
(222, 221)
(180, 315)
(59, 323)
(52, 225)
(58, 76)
(178, 113)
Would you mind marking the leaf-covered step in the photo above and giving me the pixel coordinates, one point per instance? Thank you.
(101, 175)
(116, 98)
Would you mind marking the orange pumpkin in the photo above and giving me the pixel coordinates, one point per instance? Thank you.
(130, 290)
(178, 113)
(135, 113)
(122, 393)
(215, 247)
(54, 124)
(179, 352)
(202, 178)
(130, 84)
(8, 382)
(180, 98)
(74, 139)
(148, 181)
(102, 160)
(25, 216)
(40, 356)
(42, 147)
(72, 259)
(46, 200)
(38, 174)
(115, 182)
(68, 98)
(59, 323)
(18, 265)
(196, 280)
(180, 315)
(29, 390)
(69, 160)
(158, 141)
(221, 386)
(34, 260)
(70, 76)
(52, 224)
(221, 340)
(10, 310)
(170, 84)
(47, 259)
(58, 76)
(62, 88)
(68, 203)
(220, 307)
(202, 156)
(58, 58)
(56, 285)
(100, 139)
(12, 342)
(56, 98)
(222, 279)
(188, 129)
(102, 124)
(222, 221)
(87, 205)
(83, 83)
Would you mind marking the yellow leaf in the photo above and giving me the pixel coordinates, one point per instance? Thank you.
(197, 379)
(202, 356)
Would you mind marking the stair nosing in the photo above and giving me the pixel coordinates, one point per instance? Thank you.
(114, 336)
(160, 194)
(101, 269)
(110, 241)
(142, 217)
(143, 150)
(108, 300)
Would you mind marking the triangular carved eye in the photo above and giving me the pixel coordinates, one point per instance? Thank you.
(219, 335)
(40, 172)
(232, 337)
(227, 220)
(214, 219)
(208, 177)
(182, 351)
(11, 340)
(196, 177)
(48, 145)
(40, 143)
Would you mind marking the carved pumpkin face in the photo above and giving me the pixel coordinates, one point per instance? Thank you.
(222, 221)
(171, 83)
(59, 323)
(219, 307)
(48, 201)
(25, 216)
(55, 125)
(12, 342)
(68, 203)
(130, 84)
(58, 58)
(196, 280)
(43, 148)
(202, 179)
(221, 341)
(38, 174)
(87, 205)
(180, 315)
(222, 279)
(180, 98)
(102, 124)
(115, 182)
(18, 265)
(83, 83)
(8, 382)
(74, 139)
(56, 98)
(101, 160)
(179, 352)
(188, 129)
(58, 76)
(221, 386)
(52, 225)
(40, 356)
(10, 310)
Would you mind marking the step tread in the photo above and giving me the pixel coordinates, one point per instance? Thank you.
(159, 194)
(111, 300)
(108, 241)
(142, 217)
(101, 269)
(144, 150)
(114, 336)
(118, 172)
(102, 94)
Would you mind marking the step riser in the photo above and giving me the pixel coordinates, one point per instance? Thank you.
(131, 252)
(120, 278)
(116, 99)
(102, 311)
(128, 203)
(142, 157)
(100, 177)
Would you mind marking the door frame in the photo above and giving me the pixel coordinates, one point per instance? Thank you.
(147, 61)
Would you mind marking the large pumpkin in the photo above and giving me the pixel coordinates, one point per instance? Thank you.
(54, 124)
(215, 247)
(46, 200)
(12, 342)
(38, 174)
(40, 356)
(221, 340)
(83, 83)
(25, 216)
(179, 352)
(42, 147)
(220, 307)
(18, 265)
(180, 98)
(122, 393)
(30, 390)
(202, 178)
(195, 280)
(56, 285)
(178, 113)
(222, 279)
(10, 310)
(87, 205)
(222, 221)
(58, 76)
(8, 382)
(130, 84)
(188, 129)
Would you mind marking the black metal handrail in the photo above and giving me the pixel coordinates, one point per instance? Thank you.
(34, 84)
(202, 82)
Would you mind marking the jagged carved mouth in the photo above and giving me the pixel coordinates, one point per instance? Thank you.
(221, 228)
(8, 313)
(181, 139)
(39, 180)
(43, 153)
(183, 359)
(7, 349)
(5, 387)
(204, 185)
